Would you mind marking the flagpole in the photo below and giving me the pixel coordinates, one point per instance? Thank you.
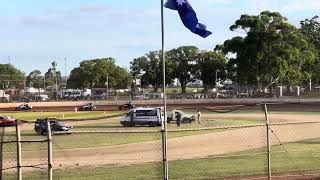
(164, 122)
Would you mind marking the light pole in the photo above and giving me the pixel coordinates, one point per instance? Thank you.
(217, 78)
(107, 86)
(54, 66)
(44, 84)
(65, 70)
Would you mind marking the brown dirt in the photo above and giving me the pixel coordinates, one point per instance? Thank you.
(273, 118)
(188, 147)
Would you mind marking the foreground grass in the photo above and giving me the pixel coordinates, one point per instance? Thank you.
(302, 157)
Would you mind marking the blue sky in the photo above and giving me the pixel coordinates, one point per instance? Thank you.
(36, 32)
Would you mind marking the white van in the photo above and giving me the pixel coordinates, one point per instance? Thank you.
(143, 116)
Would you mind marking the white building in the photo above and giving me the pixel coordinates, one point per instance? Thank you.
(33, 91)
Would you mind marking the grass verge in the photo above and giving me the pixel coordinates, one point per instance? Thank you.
(301, 158)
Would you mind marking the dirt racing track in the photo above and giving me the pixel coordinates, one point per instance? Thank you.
(188, 147)
(290, 104)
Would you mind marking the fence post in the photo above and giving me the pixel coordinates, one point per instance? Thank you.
(49, 139)
(18, 150)
(268, 141)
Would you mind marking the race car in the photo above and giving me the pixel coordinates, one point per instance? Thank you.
(87, 107)
(57, 127)
(127, 106)
(24, 107)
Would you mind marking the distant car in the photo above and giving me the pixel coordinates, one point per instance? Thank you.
(24, 107)
(87, 107)
(185, 118)
(127, 106)
(7, 121)
(56, 126)
(25, 99)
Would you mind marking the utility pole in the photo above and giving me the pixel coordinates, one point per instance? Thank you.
(216, 78)
(65, 70)
(107, 86)
(54, 66)
(44, 83)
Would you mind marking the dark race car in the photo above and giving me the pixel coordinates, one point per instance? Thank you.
(57, 127)
(127, 106)
(87, 107)
(24, 107)
(7, 121)
(25, 99)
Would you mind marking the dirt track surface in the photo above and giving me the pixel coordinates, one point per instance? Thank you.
(273, 118)
(277, 104)
(188, 147)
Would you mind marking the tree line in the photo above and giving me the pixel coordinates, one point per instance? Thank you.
(271, 52)
(12, 77)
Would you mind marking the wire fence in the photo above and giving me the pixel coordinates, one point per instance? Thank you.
(8, 155)
(234, 142)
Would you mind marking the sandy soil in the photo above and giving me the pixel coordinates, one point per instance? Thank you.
(272, 117)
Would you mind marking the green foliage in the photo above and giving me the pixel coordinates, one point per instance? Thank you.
(311, 29)
(149, 69)
(10, 77)
(53, 76)
(211, 66)
(273, 51)
(99, 73)
(184, 61)
(35, 79)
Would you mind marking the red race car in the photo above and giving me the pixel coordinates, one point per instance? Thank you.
(7, 121)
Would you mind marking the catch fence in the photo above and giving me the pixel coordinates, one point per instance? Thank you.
(240, 142)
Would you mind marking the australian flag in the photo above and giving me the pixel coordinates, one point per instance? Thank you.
(188, 17)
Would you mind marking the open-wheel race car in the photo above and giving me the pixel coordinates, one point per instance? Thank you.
(24, 107)
(127, 106)
(87, 107)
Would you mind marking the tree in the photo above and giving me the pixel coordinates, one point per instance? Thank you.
(273, 51)
(183, 61)
(99, 73)
(35, 79)
(10, 76)
(311, 29)
(149, 69)
(211, 65)
(77, 79)
(53, 76)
